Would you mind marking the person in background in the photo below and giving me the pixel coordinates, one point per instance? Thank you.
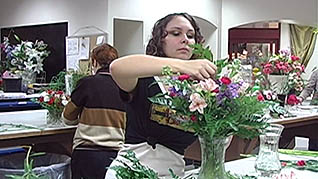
(98, 112)
(311, 88)
(158, 146)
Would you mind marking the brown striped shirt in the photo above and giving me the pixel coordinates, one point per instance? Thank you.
(98, 111)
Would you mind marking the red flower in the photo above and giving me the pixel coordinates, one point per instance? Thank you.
(301, 163)
(51, 101)
(59, 92)
(193, 118)
(260, 97)
(172, 94)
(49, 91)
(41, 99)
(225, 80)
(292, 100)
(183, 77)
(216, 90)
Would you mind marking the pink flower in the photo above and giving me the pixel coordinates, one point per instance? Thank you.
(197, 103)
(268, 65)
(284, 164)
(208, 85)
(183, 77)
(225, 80)
(267, 70)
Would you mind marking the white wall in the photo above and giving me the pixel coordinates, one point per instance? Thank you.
(284, 36)
(224, 14)
(128, 36)
(77, 13)
(149, 11)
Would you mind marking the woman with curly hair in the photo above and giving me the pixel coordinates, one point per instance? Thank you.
(158, 146)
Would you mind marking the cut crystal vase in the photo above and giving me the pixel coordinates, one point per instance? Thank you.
(212, 157)
(267, 162)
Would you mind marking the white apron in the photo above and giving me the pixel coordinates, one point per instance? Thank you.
(159, 159)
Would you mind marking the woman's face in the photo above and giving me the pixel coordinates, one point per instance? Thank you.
(180, 34)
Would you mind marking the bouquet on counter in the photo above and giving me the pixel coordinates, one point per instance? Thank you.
(54, 102)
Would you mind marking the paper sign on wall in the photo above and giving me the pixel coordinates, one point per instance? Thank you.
(72, 46)
(84, 48)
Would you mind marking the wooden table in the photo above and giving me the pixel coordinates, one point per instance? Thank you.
(303, 126)
(59, 140)
(54, 140)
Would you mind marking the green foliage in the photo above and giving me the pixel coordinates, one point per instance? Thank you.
(298, 152)
(75, 76)
(200, 52)
(58, 82)
(28, 167)
(135, 170)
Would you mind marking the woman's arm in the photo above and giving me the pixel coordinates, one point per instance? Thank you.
(127, 70)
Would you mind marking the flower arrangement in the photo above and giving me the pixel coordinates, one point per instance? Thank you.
(24, 57)
(217, 107)
(214, 109)
(286, 64)
(54, 102)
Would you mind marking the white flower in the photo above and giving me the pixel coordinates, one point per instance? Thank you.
(46, 99)
(44, 93)
(64, 102)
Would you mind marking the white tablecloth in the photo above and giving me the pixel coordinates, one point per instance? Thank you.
(246, 167)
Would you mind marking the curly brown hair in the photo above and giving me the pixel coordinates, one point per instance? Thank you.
(104, 54)
(159, 32)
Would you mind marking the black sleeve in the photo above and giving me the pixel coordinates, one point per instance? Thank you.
(78, 96)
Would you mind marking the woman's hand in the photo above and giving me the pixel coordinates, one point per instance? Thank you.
(198, 69)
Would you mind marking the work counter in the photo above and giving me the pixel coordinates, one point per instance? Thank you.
(59, 139)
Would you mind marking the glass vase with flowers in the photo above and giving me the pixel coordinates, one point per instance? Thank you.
(214, 109)
(54, 101)
(24, 59)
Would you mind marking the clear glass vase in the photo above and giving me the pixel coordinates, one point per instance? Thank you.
(267, 163)
(212, 157)
(28, 78)
(54, 118)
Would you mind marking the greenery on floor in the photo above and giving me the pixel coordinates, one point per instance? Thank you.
(28, 167)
